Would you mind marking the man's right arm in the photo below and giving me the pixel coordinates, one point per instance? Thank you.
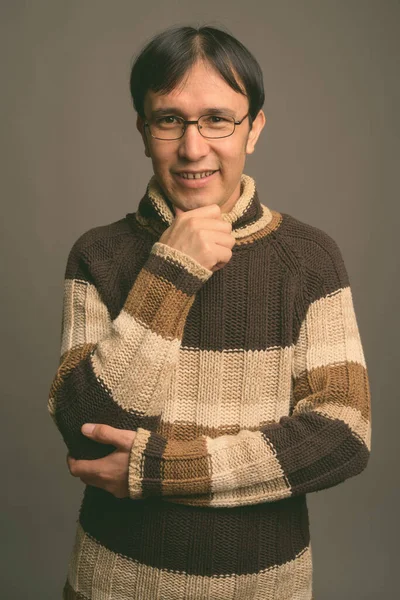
(117, 371)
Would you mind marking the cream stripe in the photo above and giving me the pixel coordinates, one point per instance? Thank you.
(74, 563)
(254, 494)
(134, 465)
(103, 574)
(329, 334)
(252, 228)
(213, 388)
(85, 316)
(243, 460)
(130, 579)
(135, 363)
(351, 416)
(155, 194)
(244, 200)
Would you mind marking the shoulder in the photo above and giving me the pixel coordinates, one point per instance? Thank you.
(96, 245)
(319, 256)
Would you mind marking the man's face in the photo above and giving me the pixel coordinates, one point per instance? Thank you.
(204, 88)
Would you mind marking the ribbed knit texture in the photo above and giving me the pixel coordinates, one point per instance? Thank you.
(247, 387)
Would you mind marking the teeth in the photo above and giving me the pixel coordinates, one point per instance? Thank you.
(196, 175)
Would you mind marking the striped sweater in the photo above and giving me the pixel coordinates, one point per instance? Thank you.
(247, 388)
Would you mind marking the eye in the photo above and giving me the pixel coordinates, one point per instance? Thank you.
(221, 119)
(165, 121)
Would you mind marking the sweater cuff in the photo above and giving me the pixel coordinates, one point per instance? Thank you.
(162, 467)
(165, 289)
(136, 464)
(184, 260)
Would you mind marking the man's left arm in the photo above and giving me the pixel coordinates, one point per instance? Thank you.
(325, 440)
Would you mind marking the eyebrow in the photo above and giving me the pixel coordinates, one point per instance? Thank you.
(206, 111)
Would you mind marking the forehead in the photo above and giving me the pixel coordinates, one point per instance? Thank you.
(201, 88)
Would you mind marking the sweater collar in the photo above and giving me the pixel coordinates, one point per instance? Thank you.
(248, 216)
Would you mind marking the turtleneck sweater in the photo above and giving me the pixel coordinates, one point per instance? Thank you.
(247, 388)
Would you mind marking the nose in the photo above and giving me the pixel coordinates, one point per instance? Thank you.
(193, 146)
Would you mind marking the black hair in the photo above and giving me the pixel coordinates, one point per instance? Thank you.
(163, 62)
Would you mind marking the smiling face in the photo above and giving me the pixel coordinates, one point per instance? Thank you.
(203, 88)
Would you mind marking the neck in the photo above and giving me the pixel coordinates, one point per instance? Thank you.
(249, 218)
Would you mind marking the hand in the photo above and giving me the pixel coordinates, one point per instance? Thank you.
(202, 234)
(111, 472)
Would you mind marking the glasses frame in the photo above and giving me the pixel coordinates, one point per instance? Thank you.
(186, 123)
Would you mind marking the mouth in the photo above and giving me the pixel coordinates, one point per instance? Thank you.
(188, 179)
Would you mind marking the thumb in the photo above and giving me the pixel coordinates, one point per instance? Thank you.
(121, 438)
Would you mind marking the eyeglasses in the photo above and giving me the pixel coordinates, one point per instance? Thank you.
(172, 127)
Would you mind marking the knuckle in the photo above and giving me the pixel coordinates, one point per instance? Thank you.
(101, 430)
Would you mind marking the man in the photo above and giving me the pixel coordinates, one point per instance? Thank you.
(212, 372)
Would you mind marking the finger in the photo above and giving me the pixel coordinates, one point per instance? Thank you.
(105, 434)
(69, 462)
(85, 468)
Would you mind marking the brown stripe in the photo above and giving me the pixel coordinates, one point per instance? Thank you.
(173, 272)
(311, 450)
(345, 384)
(273, 225)
(188, 461)
(68, 362)
(167, 310)
(197, 540)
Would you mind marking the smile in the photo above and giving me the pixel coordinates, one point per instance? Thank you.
(196, 180)
(196, 175)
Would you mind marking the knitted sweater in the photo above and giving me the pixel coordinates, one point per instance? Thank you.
(247, 387)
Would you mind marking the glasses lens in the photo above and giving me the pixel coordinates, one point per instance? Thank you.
(213, 126)
(167, 128)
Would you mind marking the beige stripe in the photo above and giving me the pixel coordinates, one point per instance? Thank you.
(252, 228)
(223, 389)
(254, 494)
(250, 233)
(75, 558)
(85, 316)
(244, 460)
(329, 334)
(244, 201)
(154, 192)
(134, 466)
(130, 579)
(136, 365)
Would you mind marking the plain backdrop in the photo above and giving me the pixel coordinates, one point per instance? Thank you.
(71, 159)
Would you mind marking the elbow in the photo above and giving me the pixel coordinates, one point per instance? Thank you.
(361, 460)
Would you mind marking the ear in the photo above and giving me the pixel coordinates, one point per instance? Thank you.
(258, 124)
(142, 130)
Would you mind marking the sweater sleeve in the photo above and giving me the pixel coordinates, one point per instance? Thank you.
(116, 371)
(324, 440)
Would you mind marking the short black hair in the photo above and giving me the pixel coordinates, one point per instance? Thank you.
(163, 62)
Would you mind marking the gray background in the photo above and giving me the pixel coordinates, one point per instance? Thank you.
(71, 159)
